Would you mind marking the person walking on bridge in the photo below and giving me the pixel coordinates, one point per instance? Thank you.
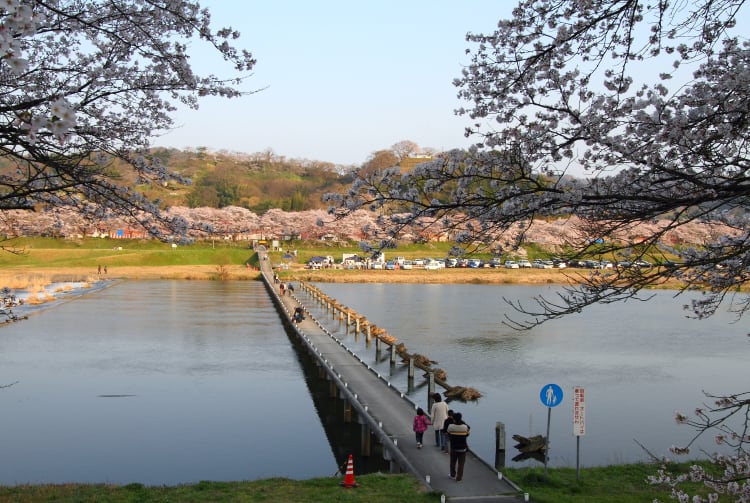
(444, 433)
(458, 432)
(438, 414)
(420, 426)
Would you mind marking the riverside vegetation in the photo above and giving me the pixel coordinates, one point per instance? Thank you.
(610, 484)
(41, 261)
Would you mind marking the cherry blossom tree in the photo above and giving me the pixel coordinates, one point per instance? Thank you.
(85, 83)
(648, 105)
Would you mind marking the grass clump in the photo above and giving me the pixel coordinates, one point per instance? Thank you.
(604, 484)
(373, 488)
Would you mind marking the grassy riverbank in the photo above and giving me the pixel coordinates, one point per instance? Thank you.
(66, 260)
(612, 484)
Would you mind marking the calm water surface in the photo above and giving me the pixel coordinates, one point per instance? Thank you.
(166, 382)
(157, 382)
(639, 362)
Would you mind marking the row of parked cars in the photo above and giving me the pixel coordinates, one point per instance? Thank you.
(475, 263)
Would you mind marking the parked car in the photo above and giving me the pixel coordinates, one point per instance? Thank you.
(432, 265)
(542, 264)
(390, 265)
(451, 262)
(495, 262)
(376, 265)
(407, 265)
(474, 263)
(559, 263)
(523, 263)
(511, 264)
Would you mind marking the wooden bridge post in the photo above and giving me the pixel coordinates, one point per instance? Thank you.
(333, 389)
(393, 354)
(365, 440)
(499, 445)
(356, 325)
(347, 411)
(411, 367)
(377, 344)
(430, 385)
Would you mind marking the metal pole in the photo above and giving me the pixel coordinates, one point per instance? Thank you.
(546, 442)
(578, 458)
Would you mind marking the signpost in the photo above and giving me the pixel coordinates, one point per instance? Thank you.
(579, 422)
(551, 395)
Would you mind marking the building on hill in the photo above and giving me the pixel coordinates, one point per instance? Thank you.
(407, 164)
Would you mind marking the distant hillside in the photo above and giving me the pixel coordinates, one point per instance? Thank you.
(257, 181)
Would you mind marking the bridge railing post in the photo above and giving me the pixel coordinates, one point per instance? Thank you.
(499, 445)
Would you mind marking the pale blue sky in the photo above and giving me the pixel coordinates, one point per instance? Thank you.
(343, 78)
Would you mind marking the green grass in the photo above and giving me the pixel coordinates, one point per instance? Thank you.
(608, 484)
(373, 488)
(61, 253)
(605, 484)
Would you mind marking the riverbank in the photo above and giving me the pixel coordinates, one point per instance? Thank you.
(14, 277)
(610, 484)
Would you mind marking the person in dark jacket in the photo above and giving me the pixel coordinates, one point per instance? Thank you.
(458, 432)
(448, 421)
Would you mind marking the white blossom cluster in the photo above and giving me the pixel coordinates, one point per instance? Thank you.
(651, 102)
(86, 82)
(18, 21)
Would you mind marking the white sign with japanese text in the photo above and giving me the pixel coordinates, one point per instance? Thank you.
(579, 412)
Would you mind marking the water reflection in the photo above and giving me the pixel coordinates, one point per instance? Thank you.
(169, 382)
(206, 367)
(638, 361)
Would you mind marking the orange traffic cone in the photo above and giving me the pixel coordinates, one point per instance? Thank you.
(349, 477)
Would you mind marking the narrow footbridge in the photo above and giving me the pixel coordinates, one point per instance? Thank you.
(387, 413)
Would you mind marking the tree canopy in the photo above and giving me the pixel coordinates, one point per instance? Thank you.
(648, 104)
(569, 88)
(86, 82)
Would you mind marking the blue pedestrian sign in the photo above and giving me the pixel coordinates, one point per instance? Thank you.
(551, 395)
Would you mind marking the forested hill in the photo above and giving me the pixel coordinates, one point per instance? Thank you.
(257, 181)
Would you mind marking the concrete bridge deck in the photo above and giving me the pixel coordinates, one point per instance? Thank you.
(389, 415)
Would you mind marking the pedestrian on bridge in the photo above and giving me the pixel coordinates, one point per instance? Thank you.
(420, 425)
(458, 432)
(438, 413)
(444, 432)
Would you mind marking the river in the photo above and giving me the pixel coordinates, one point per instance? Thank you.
(638, 363)
(167, 382)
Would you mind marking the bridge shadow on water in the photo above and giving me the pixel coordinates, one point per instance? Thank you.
(345, 437)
